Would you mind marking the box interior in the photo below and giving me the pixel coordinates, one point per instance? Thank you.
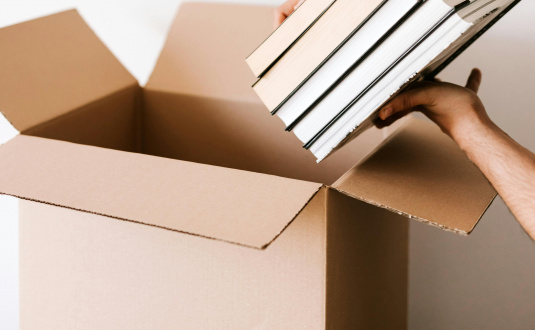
(192, 110)
(59, 81)
(230, 134)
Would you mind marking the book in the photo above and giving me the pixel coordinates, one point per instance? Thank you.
(330, 30)
(289, 32)
(399, 43)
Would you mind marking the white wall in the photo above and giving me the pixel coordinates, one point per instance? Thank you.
(483, 281)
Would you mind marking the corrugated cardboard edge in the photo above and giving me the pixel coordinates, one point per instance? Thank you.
(295, 216)
(406, 121)
(170, 229)
(413, 217)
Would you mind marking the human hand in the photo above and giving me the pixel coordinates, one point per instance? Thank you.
(455, 109)
(284, 10)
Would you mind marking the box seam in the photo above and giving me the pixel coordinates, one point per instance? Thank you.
(79, 109)
(132, 221)
(209, 97)
(371, 153)
(407, 215)
(294, 217)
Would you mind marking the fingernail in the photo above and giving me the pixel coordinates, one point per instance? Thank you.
(387, 111)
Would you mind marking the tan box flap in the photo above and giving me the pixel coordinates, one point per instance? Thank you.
(242, 207)
(53, 65)
(421, 173)
(205, 50)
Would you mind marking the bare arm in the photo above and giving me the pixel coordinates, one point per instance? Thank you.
(460, 114)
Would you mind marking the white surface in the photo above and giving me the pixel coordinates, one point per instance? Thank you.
(484, 281)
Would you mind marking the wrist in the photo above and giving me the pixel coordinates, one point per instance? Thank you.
(470, 129)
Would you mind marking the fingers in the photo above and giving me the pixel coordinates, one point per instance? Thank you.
(409, 99)
(393, 118)
(298, 4)
(284, 10)
(279, 18)
(474, 80)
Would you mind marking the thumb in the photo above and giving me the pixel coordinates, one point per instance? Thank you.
(409, 99)
(474, 80)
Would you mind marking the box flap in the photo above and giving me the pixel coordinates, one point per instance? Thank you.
(421, 173)
(210, 61)
(242, 207)
(53, 65)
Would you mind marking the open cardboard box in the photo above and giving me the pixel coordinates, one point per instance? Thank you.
(266, 238)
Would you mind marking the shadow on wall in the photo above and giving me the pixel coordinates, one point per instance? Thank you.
(486, 280)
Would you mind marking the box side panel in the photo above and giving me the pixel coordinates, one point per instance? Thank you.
(421, 173)
(211, 61)
(367, 265)
(111, 122)
(238, 135)
(83, 271)
(220, 203)
(53, 65)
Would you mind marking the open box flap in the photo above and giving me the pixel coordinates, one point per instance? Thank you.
(210, 61)
(242, 207)
(421, 173)
(53, 65)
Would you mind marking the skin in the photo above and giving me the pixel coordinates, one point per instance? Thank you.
(460, 114)
(284, 10)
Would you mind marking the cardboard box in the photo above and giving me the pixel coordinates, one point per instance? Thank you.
(227, 221)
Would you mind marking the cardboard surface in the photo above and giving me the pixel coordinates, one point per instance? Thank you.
(53, 65)
(210, 62)
(236, 206)
(112, 122)
(239, 135)
(332, 262)
(421, 173)
(81, 270)
(367, 265)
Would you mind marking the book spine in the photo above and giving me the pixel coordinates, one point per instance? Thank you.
(452, 12)
(263, 73)
(356, 64)
(330, 55)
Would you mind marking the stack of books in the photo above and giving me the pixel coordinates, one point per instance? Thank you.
(332, 64)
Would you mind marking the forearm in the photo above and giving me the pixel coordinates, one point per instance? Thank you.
(506, 164)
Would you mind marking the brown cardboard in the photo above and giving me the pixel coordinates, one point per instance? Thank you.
(221, 132)
(420, 172)
(367, 263)
(189, 65)
(60, 63)
(327, 270)
(88, 269)
(111, 122)
(236, 206)
(121, 275)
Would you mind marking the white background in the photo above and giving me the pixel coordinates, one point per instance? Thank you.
(484, 281)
